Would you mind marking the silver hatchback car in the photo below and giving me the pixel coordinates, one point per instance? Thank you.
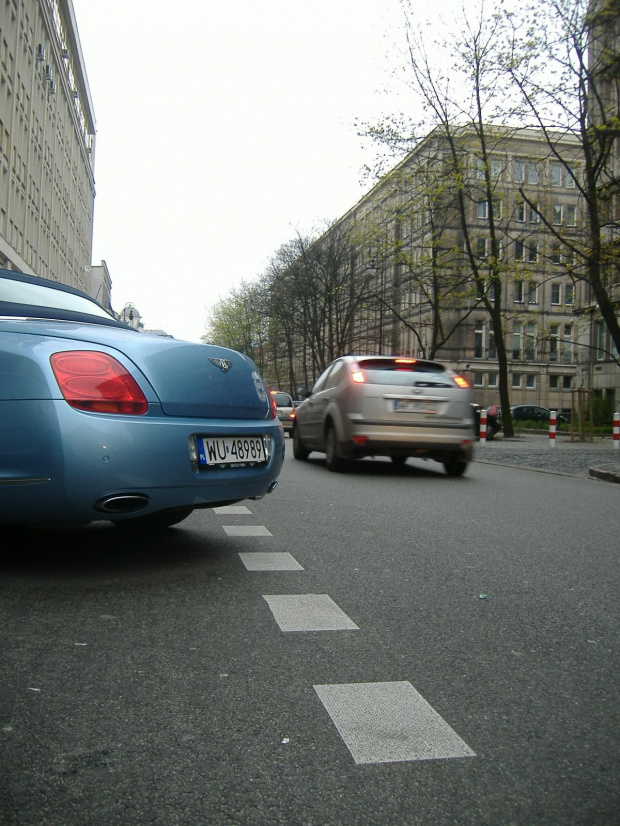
(387, 406)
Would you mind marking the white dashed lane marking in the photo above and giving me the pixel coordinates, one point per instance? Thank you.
(270, 562)
(379, 722)
(246, 530)
(308, 612)
(389, 723)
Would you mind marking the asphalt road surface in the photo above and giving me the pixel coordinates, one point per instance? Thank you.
(387, 646)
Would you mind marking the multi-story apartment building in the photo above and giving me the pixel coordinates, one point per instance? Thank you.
(437, 252)
(604, 111)
(47, 147)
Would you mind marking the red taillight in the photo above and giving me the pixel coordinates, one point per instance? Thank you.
(273, 408)
(98, 383)
(292, 414)
(461, 382)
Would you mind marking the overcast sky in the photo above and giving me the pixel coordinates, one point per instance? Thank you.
(222, 129)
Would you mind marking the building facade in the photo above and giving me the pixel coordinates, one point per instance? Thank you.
(47, 147)
(438, 260)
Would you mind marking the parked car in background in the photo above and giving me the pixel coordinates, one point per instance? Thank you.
(101, 422)
(285, 407)
(520, 413)
(387, 406)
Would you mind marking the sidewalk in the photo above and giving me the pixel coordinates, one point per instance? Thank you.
(595, 460)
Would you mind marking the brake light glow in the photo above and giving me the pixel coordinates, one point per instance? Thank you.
(273, 408)
(462, 382)
(405, 361)
(96, 382)
(358, 376)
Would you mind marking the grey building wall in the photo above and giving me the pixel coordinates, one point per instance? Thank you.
(47, 147)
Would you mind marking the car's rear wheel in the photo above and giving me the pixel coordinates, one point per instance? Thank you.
(300, 451)
(333, 459)
(155, 521)
(399, 460)
(455, 466)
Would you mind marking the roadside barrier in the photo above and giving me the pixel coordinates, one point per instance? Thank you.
(616, 430)
(553, 421)
(483, 427)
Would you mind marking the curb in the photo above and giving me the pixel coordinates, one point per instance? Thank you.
(604, 475)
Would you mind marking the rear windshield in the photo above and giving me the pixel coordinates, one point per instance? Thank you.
(34, 295)
(420, 373)
(282, 399)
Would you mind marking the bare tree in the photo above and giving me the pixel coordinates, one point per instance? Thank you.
(567, 71)
(464, 96)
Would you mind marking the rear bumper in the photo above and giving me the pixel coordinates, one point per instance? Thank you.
(386, 439)
(57, 464)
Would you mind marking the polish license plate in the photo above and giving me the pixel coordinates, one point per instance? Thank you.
(229, 450)
(414, 406)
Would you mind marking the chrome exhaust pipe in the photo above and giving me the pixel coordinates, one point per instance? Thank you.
(122, 503)
(272, 487)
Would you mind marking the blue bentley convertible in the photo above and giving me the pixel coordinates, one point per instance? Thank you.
(101, 422)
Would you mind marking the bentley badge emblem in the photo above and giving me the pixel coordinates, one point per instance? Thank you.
(223, 364)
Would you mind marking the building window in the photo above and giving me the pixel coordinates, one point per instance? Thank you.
(479, 340)
(520, 212)
(535, 214)
(601, 353)
(516, 381)
(478, 379)
(493, 379)
(556, 253)
(558, 214)
(571, 216)
(530, 341)
(483, 209)
(567, 382)
(481, 247)
(492, 347)
(555, 294)
(519, 292)
(553, 342)
(532, 173)
(519, 251)
(569, 293)
(530, 381)
(567, 344)
(519, 176)
(553, 382)
(516, 340)
(480, 169)
(496, 170)
(570, 181)
(556, 174)
(532, 253)
(532, 293)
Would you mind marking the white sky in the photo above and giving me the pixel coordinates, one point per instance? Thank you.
(222, 128)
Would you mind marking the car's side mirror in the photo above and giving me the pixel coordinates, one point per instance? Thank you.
(303, 392)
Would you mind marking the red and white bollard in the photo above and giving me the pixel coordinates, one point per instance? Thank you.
(616, 430)
(483, 427)
(553, 420)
